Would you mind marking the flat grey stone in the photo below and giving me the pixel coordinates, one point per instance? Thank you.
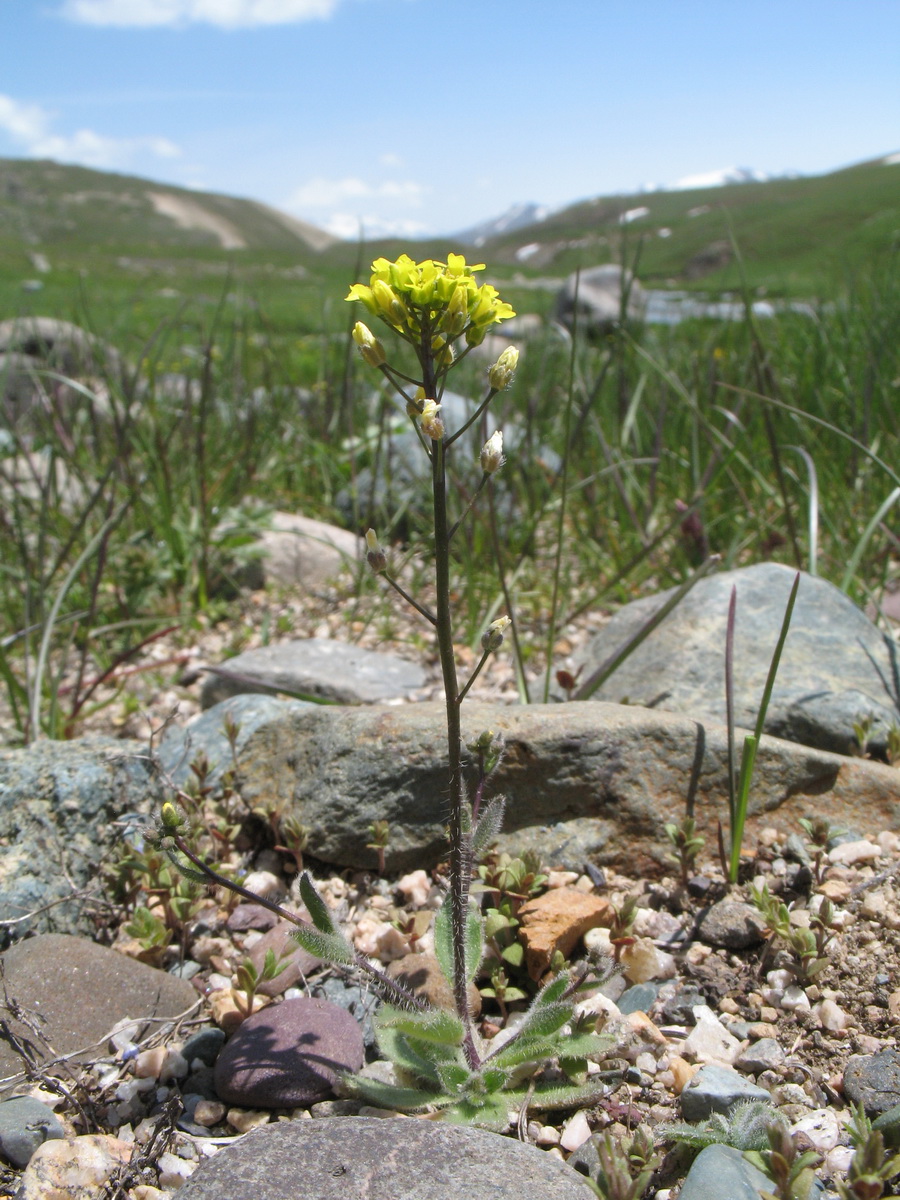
(78, 991)
(59, 807)
(836, 666)
(366, 1158)
(319, 667)
(721, 1171)
(298, 551)
(638, 998)
(873, 1080)
(763, 1055)
(584, 782)
(26, 1124)
(716, 1089)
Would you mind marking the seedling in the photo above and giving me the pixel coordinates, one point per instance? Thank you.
(686, 843)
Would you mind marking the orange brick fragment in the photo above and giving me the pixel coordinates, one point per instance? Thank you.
(556, 921)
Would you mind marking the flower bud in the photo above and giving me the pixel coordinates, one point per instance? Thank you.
(370, 348)
(390, 306)
(432, 425)
(501, 373)
(492, 638)
(492, 453)
(457, 311)
(375, 556)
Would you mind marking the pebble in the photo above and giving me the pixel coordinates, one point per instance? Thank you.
(204, 1045)
(296, 963)
(575, 1131)
(556, 921)
(874, 1081)
(639, 998)
(251, 916)
(719, 1171)
(764, 1055)
(717, 1089)
(849, 853)
(709, 1041)
(76, 1168)
(416, 888)
(173, 1171)
(837, 890)
(208, 1112)
(831, 1016)
(25, 1124)
(643, 961)
(679, 1008)
(823, 1128)
(289, 1055)
(794, 998)
(243, 1120)
(731, 924)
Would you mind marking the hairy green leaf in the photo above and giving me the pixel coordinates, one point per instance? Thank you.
(319, 912)
(436, 1025)
(488, 827)
(330, 947)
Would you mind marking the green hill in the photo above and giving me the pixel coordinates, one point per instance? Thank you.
(796, 236)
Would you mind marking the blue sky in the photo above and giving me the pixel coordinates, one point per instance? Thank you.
(425, 116)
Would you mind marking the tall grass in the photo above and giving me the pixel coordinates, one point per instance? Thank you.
(666, 436)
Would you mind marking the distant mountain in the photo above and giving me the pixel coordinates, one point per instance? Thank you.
(793, 232)
(519, 216)
(47, 203)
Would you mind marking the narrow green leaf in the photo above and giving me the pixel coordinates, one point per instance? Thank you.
(488, 827)
(474, 943)
(388, 1095)
(443, 942)
(330, 947)
(319, 912)
(396, 1047)
(436, 1025)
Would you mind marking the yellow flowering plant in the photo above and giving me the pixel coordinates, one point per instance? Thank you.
(441, 311)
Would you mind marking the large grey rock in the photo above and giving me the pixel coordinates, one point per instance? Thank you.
(873, 1080)
(316, 667)
(721, 1171)
(59, 804)
(836, 666)
(76, 991)
(205, 736)
(298, 551)
(597, 294)
(583, 781)
(25, 1124)
(365, 1158)
(54, 343)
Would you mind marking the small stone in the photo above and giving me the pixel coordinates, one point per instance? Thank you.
(415, 888)
(379, 939)
(205, 1044)
(849, 853)
(831, 1016)
(729, 1005)
(682, 1072)
(717, 1089)
(76, 1168)
(764, 1055)
(175, 1066)
(265, 884)
(149, 1063)
(575, 1131)
(709, 1041)
(823, 1128)
(639, 998)
(646, 1029)
(874, 1081)
(556, 921)
(719, 1171)
(761, 1029)
(646, 1063)
(731, 924)
(243, 1120)
(173, 1171)
(768, 1014)
(642, 961)
(251, 916)
(794, 997)
(837, 890)
(289, 1055)
(227, 1012)
(25, 1124)
(547, 1135)
(838, 1160)
(679, 1008)
(296, 962)
(208, 1113)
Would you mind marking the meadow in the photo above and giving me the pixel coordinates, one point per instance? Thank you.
(632, 457)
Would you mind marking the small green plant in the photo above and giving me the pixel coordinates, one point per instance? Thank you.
(686, 844)
(809, 946)
(819, 832)
(152, 933)
(872, 1168)
(791, 1170)
(248, 977)
(380, 833)
(746, 1127)
(739, 787)
(626, 1165)
(621, 929)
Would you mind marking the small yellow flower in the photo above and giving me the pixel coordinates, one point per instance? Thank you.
(375, 556)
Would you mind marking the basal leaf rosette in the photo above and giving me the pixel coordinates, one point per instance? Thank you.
(432, 299)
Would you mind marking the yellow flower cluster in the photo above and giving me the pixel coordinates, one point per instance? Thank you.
(432, 299)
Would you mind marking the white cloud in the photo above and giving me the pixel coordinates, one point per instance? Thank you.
(347, 226)
(325, 193)
(225, 14)
(29, 128)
